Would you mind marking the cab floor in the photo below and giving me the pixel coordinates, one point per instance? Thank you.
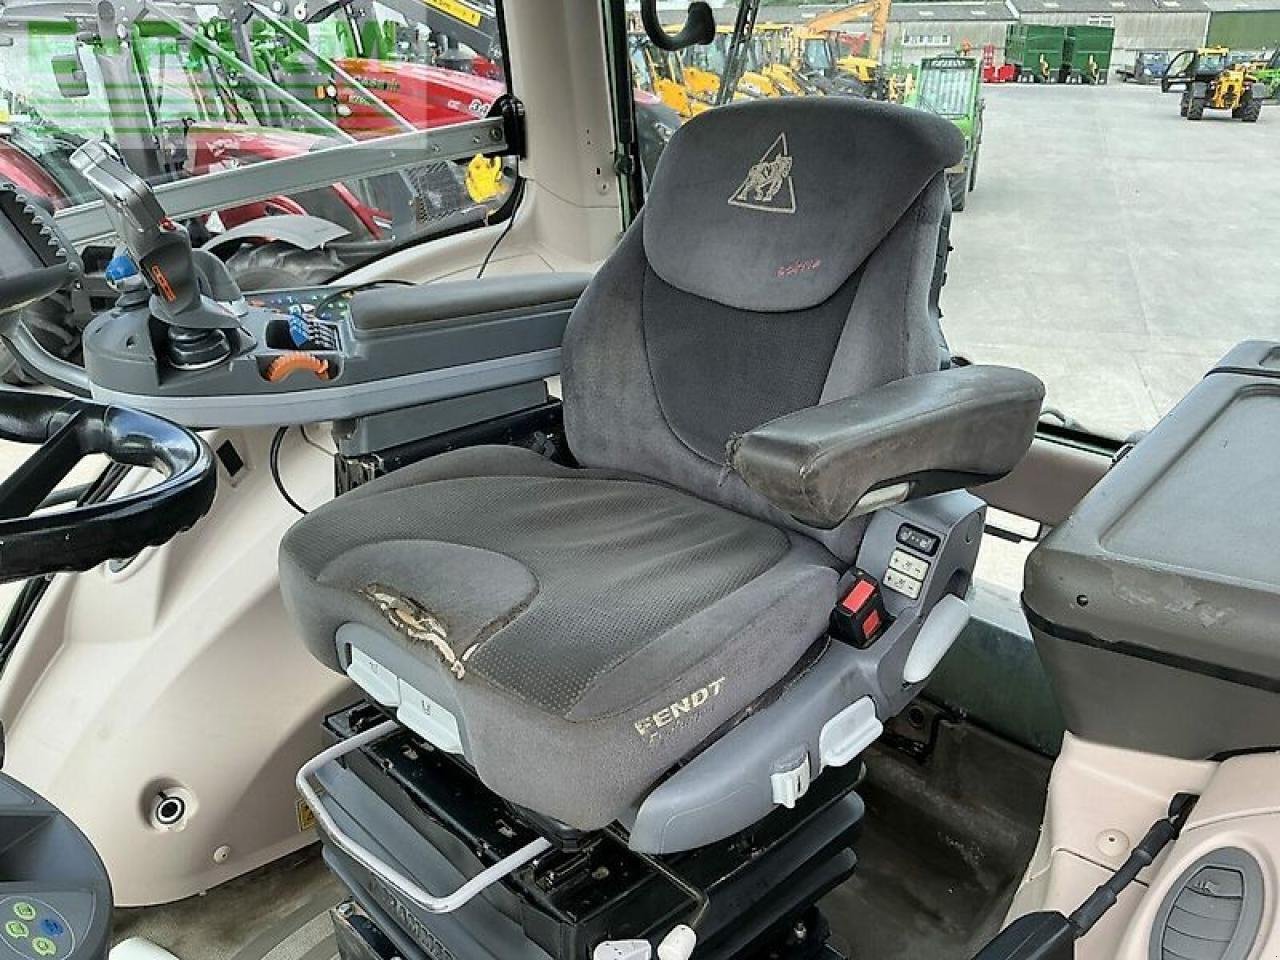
(943, 846)
(280, 912)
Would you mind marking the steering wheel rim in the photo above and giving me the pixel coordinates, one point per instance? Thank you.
(80, 538)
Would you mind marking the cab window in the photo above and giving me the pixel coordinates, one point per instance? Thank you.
(191, 94)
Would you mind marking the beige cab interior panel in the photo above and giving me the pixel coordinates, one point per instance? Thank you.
(176, 677)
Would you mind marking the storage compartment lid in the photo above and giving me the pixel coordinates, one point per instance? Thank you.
(1175, 555)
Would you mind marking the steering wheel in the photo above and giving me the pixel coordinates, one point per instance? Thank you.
(83, 536)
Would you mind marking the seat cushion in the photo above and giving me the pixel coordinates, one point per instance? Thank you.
(600, 623)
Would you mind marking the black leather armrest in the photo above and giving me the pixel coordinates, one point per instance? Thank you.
(386, 308)
(933, 432)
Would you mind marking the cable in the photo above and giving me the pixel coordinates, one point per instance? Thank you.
(276, 441)
(511, 220)
(358, 288)
(302, 428)
(1162, 833)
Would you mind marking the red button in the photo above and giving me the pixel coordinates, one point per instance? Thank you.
(857, 598)
(871, 624)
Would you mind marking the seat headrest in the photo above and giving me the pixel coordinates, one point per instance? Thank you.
(771, 205)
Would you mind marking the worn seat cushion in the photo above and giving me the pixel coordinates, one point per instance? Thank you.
(593, 605)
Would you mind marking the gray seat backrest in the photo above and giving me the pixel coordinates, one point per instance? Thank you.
(783, 259)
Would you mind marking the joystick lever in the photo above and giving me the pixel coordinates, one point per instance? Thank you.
(199, 327)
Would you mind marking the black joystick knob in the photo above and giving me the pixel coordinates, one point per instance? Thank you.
(193, 349)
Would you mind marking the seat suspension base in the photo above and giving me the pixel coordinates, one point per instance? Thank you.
(762, 885)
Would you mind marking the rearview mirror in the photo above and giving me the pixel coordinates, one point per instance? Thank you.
(69, 75)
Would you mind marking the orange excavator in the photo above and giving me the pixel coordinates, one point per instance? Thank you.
(818, 48)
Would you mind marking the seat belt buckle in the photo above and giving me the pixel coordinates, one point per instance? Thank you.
(859, 617)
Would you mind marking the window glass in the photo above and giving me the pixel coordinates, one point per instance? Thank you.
(188, 92)
(48, 86)
(1100, 241)
(946, 88)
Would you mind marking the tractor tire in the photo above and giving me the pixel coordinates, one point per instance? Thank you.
(973, 166)
(52, 324)
(958, 185)
(1195, 109)
(270, 266)
(1183, 104)
(1249, 112)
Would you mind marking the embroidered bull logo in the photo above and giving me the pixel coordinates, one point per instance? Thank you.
(768, 185)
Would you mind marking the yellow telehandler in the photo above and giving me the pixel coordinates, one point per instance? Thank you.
(1209, 80)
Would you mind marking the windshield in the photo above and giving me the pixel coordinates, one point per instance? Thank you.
(1211, 62)
(817, 54)
(31, 66)
(947, 90)
(189, 93)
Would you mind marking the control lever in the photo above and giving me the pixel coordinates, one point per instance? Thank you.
(1048, 935)
(199, 326)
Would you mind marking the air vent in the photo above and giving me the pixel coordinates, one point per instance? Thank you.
(1213, 911)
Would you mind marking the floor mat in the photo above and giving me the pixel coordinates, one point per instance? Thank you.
(944, 844)
(280, 912)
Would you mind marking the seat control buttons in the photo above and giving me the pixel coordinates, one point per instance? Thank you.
(918, 540)
(913, 567)
(899, 582)
(791, 784)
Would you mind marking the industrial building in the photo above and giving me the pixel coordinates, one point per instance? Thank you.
(921, 30)
(1244, 24)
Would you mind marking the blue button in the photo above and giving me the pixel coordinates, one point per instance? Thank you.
(51, 927)
(120, 267)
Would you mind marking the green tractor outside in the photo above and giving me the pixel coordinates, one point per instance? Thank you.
(951, 87)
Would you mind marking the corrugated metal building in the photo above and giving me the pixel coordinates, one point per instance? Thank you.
(922, 29)
(931, 28)
(1244, 24)
(1139, 24)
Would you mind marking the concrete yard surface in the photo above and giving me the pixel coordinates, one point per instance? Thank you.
(1113, 248)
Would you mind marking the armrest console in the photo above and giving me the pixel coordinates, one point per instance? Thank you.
(390, 308)
(923, 434)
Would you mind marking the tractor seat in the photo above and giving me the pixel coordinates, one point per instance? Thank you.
(753, 370)
(565, 607)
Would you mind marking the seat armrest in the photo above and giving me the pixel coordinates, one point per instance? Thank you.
(910, 438)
